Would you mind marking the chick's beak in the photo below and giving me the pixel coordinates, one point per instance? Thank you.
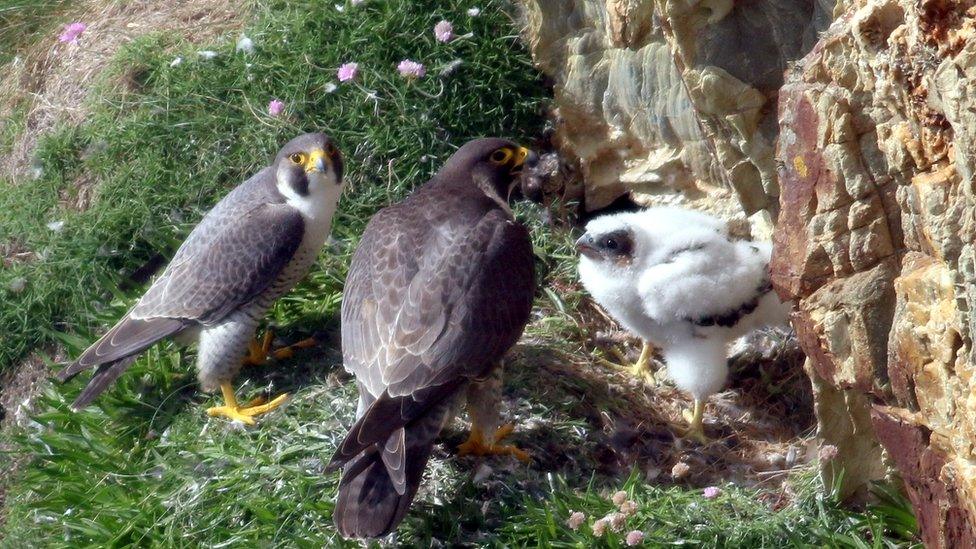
(586, 246)
(317, 161)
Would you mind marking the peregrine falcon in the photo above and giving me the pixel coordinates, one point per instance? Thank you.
(440, 287)
(251, 248)
(675, 278)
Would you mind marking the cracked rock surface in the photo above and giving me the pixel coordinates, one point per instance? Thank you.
(875, 242)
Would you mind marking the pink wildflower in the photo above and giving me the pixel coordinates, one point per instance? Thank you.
(276, 107)
(355, 3)
(575, 519)
(599, 527)
(628, 507)
(348, 71)
(617, 521)
(635, 537)
(411, 69)
(828, 452)
(711, 492)
(444, 31)
(680, 470)
(618, 498)
(72, 31)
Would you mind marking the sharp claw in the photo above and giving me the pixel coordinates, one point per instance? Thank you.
(476, 445)
(247, 413)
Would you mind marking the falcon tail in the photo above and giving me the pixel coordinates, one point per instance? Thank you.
(115, 351)
(379, 484)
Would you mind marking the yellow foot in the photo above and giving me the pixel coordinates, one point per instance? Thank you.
(246, 414)
(477, 446)
(258, 353)
(644, 372)
(694, 416)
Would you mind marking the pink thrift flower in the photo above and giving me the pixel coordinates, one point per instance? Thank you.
(575, 519)
(355, 3)
(599, 527)
(628, 507)
(711, 492)
(72, 31)
(680, 470)
(444, 31)
(411, 69)
(348, 71)
(276, 107)
(635, 537)
(618, 498)
(828, 452)
(617, 521)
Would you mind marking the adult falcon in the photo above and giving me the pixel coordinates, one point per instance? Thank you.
(439, 289)
(251, 248)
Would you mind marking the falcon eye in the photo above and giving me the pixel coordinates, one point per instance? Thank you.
(297, 158)
(501, 156)
(330, 149)
(610, 244)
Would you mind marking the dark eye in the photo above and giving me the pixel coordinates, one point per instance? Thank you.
(500, 156)
(297, 158)
(610, 244)
(330, 149)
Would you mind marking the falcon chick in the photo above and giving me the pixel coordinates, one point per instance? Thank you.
(251, 248)
(439, 289)
(676, 279)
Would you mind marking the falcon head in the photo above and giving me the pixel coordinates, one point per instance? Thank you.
(493, 162)
(307, 166)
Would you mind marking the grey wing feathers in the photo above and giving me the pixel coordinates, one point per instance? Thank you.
(419, 312)
(206, 282)
(235, 253)
(128, 337)
(414, 338)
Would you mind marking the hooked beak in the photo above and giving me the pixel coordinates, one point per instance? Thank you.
(522, 156)
(586, 246)
(317, 161)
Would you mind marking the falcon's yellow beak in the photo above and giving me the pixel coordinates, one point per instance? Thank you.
(317, 161)
(520, 157)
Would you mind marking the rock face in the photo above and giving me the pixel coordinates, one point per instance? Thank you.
(866, 152)
(673, 100)
(875, 241)
(623, 111)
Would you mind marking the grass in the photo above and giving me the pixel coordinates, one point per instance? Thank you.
(145, 466)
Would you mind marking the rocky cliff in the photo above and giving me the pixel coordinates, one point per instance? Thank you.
(875, 242)
(854, 124)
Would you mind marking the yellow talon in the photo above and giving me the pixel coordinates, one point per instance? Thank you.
(694, 417)
(640, 369)
(244, 414)
(258, 353)
(289, 351)
(477, 445)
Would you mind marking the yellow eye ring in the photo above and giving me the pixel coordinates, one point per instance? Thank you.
(501, 156)
(297, 158)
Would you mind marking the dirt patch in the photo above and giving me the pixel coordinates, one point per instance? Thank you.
(761, 428)
(52, 81)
